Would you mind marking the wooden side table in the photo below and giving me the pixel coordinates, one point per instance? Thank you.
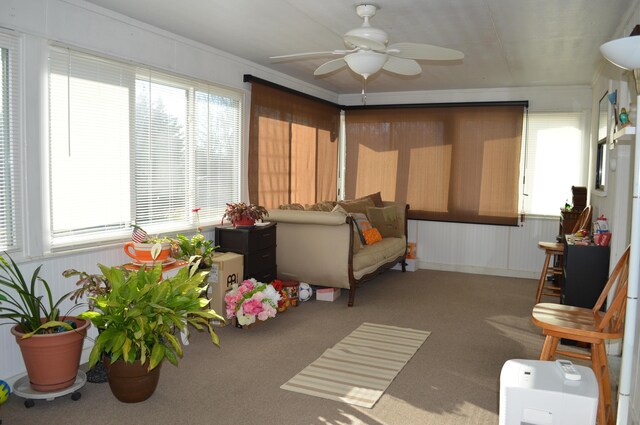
(256, 243)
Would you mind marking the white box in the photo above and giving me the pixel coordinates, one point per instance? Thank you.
(327, 294)
(412, 265)
(536, 392)
(226, 269)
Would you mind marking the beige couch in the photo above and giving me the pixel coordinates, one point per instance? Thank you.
(317, 247)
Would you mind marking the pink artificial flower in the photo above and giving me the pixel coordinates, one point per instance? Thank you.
(258, 296)
(248, 284)
(231, 312)
(251, 307)
(243, 289)
(267, 312)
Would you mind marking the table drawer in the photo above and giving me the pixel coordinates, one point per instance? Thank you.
(260, 260)
(267, 275)
(262, 238)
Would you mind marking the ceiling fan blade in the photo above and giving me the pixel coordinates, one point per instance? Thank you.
(423, 51)
(402, 66)
(332, 65)
(360, 42)
(300, 55)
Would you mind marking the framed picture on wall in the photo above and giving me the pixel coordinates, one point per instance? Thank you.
(606, 128)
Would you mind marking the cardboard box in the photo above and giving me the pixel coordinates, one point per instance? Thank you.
(225, 271)
(327, 294)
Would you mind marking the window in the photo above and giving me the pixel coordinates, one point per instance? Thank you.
(293, 148)
(9, 145)
(555, 160)
(129, 144)
(455, 163)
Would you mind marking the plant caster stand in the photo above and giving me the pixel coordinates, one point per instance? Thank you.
(23, 389)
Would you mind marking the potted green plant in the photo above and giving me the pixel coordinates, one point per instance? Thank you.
(51, 344)
(196, 249)
(138, 317)
(90, 285)
(241, 214)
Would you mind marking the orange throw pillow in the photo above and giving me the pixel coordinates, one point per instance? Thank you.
(371, 236)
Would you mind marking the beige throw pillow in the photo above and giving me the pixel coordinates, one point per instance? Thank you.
(386, 220)
(375, 197)
(357, 206)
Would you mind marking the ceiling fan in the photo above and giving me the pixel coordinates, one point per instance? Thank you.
(368, 52)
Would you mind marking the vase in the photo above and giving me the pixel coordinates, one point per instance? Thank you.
(52, 360)
(141, 252)
(131, 382)
(244, 222)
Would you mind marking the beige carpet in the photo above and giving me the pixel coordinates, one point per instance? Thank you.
(359, 368)
(476, 324)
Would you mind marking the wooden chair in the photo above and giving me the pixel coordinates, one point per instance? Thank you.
(589, 326)
(555, 250)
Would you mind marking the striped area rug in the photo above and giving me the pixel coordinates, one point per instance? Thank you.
(358, 369)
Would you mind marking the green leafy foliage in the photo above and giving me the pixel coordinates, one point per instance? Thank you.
(140, 314)
(21, 304)
(195, 249)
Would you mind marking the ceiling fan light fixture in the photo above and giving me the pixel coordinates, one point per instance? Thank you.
(365, 62)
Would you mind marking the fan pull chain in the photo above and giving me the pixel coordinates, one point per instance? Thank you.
(364, 91)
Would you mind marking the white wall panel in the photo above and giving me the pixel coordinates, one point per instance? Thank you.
(495, 250)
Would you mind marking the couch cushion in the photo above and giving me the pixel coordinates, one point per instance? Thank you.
(321, 206)
(373, 256)
(291, 207)
(375, 197)
(386, 220)
(357, 206)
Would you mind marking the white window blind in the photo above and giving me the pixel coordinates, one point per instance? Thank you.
(150, 147)
(555, 160)
(10, 211)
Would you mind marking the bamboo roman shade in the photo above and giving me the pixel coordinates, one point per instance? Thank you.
(293, 148)
(458, 164)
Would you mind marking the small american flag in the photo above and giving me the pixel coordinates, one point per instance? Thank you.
(138, 235)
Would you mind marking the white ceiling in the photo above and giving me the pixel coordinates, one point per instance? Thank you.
(506, 43)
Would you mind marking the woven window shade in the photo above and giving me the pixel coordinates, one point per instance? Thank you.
(293, 148)
(459, 164)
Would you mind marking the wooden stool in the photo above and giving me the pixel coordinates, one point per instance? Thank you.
(551, 249)
(556, 250)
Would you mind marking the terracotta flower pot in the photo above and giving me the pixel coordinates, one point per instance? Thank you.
(52, 360)
(131, 382)
(244, 222)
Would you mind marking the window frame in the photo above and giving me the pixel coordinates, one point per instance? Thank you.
(193, 88)
(580, 116)
(12, 150)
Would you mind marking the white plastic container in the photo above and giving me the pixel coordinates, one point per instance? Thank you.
(535, 392)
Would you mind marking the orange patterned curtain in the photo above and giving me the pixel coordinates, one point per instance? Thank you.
(458, 164)
(293, 148)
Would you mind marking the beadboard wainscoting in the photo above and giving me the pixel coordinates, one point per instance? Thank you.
(483, 249)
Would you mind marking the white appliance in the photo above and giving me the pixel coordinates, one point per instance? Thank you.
(534, 392)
